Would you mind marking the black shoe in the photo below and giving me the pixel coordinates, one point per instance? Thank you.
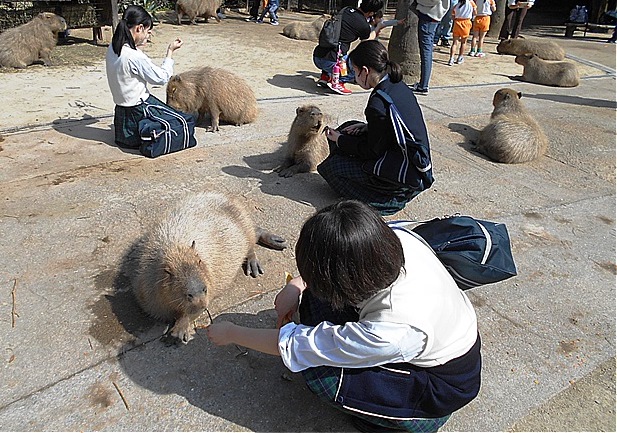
(419, 90)
(445, 43)
(368, 427)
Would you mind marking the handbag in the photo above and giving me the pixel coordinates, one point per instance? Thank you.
(164, 130)
(410, 162)
(475, 252)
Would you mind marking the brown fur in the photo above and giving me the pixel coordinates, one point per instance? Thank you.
(197, 8)
(217, 92)
(193, 255)
(30, 42)
(547, 50)
(536, 70)
(305, 31)
(512, 136)
(307, 145)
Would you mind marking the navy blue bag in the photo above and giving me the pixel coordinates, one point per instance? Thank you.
(475, 252)
(165, 130)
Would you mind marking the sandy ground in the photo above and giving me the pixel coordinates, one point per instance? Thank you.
(274, 65)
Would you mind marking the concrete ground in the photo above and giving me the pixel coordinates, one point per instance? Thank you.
(79, 355)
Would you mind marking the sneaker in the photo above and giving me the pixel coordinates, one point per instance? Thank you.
(460, 59)
(451, 61)
(259, 21)
(251, 19)
(472, 53)
(323, 80)
(419, 90)
(480, 54)
(274, 23)
(339, 88)
(445, 43)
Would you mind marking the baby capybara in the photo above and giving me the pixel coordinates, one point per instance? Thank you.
(30, 42)
(223, 95)
(512, 136)
(197, 8)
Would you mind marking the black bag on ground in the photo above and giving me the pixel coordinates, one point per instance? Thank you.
(475, 252)
(409, 164)
(331, 31)
(165, 130)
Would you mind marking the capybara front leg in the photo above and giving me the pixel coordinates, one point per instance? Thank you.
(45, 56)
(252, 266)
(183, 329)
(301, 167)
(269, 239)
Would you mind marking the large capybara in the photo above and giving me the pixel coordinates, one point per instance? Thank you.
(197, 8)
(536, 70)
(192, 256)
(30, 42)
(547, 50)
(512, 136)
(305, 31)
(218, 92)
(307, 145)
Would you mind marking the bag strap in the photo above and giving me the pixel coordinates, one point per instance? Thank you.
(185, 127)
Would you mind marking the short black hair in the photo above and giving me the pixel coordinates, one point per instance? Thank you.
(346, 253)
(371, 5)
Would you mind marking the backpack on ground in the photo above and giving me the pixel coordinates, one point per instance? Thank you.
(578, 14)
(331, 30)
(475, 252)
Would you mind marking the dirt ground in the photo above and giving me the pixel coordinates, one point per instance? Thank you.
(274, 65)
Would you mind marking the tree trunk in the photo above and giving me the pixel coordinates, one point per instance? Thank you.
(403, 47)
(497, 18)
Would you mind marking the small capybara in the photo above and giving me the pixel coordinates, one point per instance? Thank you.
(192, 256)
(30, 42)
(197, 8)
(547, 50)
(307, 145)
(512, 136)
(536, 70)
(305, 31)
(218, 92)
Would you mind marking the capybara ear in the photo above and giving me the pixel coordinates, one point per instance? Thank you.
(298, 110)
(520, 95)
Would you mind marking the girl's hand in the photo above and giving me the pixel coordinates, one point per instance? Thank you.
(175, 44)
(219, 333)
(332, 134)
(356, 129)
(287, 301)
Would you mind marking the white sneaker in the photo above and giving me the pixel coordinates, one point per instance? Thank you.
(480, 54)
(451, 61)
(460, 59)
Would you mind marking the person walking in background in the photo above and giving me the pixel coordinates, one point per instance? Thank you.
(254, 11)
(271, 8)
(481, 24)
(463, 12)
(129, 71)
(430, 13)
(443, 33)
(515, 15)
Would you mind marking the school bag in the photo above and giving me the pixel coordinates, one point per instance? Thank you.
(578, 14)
(331, 30)
(410, 163)
(475, 252)
(164, 131)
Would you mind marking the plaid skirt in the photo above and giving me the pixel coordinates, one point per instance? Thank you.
(126, 123)
(346, 176)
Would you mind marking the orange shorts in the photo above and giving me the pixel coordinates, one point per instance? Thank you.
(461, 28)
(482, 23)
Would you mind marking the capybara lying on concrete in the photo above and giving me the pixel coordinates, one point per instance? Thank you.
(512, 136)
(547, 50)
(192, 255)
(197, 8)
(218, 92)
(305, 31)
(307, 145)
(536, 70)
(30, 42)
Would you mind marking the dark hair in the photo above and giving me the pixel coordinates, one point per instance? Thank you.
(371, 5)
(373, 54)
(346, 253)
(134, 15)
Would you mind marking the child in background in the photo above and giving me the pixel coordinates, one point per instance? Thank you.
(271, 8)
(444, 29)
(480, 26)
(378, 24)
(463, 13)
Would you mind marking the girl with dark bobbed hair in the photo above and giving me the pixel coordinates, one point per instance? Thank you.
(355, 147)
(384, 332)
(129, 71)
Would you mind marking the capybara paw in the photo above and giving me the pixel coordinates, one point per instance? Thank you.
(253, 268)
(183, 334)
(275, 241)
(288, 172)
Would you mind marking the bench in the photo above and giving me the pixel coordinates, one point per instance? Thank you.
(585, 27)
